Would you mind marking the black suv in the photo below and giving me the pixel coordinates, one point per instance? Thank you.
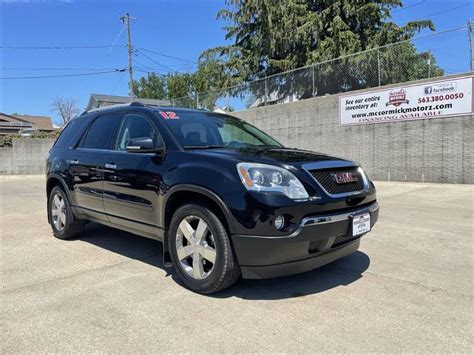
(225, 199)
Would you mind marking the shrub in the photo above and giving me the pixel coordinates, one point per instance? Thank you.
(7, 139)
(50, 135)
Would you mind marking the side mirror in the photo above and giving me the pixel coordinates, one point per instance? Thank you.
(143, 145)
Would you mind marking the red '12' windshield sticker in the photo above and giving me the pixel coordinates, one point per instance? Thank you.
(169, 115)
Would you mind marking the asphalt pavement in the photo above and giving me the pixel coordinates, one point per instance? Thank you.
(408, 289)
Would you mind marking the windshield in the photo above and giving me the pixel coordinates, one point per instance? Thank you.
(195, 130)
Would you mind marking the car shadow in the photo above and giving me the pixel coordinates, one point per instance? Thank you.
(127, 244)
(339, 273)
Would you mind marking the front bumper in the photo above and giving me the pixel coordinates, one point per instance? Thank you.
(317, 241)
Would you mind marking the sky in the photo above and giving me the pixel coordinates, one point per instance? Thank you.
(177, 28)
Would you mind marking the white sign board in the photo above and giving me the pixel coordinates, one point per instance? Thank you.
(412, 102)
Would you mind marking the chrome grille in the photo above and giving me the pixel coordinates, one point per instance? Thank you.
(326, 178)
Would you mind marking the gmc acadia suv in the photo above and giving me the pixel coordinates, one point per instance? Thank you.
(225, 199)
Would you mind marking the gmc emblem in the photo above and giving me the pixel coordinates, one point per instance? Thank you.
(345, 178)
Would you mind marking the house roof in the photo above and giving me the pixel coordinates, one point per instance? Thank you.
(13, 121)
(11, 124)
(100, 100)
(42, 123)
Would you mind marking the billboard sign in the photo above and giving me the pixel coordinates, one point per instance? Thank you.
(411, 102)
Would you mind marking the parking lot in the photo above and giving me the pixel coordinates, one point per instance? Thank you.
(408, 289)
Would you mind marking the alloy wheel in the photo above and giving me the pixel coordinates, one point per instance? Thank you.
(58, 212)
(195, 247)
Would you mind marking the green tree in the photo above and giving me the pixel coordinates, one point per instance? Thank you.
(183, 88)
(151, 87)
(173, 86)
(270, 36)
(179, 85)
(213, 79)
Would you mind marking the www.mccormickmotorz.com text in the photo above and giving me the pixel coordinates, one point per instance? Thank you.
(436, 99)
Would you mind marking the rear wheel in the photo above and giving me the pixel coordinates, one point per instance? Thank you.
(63, 222)
(201, 251)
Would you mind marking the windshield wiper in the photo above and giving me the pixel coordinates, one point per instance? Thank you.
(268, 146)
(210, 146)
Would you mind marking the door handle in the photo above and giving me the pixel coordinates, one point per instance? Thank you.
(110, 166)
(73, 162)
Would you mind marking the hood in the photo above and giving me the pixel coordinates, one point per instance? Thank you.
(274, 156)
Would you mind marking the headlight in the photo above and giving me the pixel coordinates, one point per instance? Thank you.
(269, 178)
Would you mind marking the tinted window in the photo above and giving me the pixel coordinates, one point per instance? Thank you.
(136, 126)
(100, 132)
(70, 133)
(201, 129)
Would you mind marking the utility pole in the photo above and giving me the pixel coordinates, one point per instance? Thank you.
(126, 20)
(470, 32)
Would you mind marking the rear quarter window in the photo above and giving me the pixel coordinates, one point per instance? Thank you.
(70, 133)
(102, 131)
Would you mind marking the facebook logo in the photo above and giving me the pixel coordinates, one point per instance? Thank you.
(428, 90)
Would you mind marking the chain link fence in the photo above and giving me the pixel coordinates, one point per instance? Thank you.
(434, 55)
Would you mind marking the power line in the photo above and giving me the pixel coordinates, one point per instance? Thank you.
(148, 69)
(60, 76)
(116, 39)
(175, 65)
(59, 47)
(441, 12)
(154, 61)
(97, 47)
(168, 56)
(59, 69)
(408, 7)
(143, 65)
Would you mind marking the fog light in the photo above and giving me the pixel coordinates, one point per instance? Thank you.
(279, 222)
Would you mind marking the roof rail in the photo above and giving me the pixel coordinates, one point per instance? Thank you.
(133, 103)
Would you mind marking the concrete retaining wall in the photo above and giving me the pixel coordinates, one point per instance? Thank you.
(27, 156)
(431, 150)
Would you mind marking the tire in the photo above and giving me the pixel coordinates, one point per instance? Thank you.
(202, 276)
(67, 227)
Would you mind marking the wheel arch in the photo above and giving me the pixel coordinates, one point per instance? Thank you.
(186, 193)
(53, 181)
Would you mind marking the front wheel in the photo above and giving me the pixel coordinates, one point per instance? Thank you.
(201, 251)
